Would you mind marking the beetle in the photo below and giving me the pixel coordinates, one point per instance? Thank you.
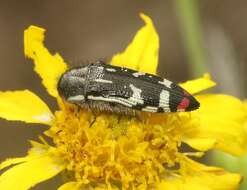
(104, 87)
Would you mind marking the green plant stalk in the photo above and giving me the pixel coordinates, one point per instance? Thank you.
(231, 163)
(192, 36)
(190, 27)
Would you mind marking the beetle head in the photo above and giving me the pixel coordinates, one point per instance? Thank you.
(71, 85)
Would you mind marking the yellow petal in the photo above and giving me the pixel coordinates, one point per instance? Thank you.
(48, 66)
(77, 186)
(69, 186)
(26, 175)
(36, 151)
(202, 177)
(219, 180)
(142, 52)
(24, 106)
(12, 161)
(202, 144)
(198, 85)
(222, 118)
(39, 149)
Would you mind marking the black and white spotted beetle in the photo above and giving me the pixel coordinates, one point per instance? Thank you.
(105, 87)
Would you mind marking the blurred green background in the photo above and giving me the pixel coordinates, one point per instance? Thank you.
(195, 36)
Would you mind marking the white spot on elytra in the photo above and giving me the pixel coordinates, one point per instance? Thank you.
(111, 69)
(164, 100)
(76, 98)
(112, 99)
(100, 68)
(166, 83)
(45, 117)
(150, 109)
(133, 100)
(103, 81)
(137, 74)
(136, 97)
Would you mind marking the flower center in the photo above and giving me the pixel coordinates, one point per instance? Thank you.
(117, 150)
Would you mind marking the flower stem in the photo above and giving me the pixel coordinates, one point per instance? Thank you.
(189, 20)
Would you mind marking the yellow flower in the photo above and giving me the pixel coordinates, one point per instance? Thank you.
(122, 152)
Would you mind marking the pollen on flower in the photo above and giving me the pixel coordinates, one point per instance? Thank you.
(117, 150)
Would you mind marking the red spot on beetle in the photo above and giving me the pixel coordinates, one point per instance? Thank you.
(183, 104)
